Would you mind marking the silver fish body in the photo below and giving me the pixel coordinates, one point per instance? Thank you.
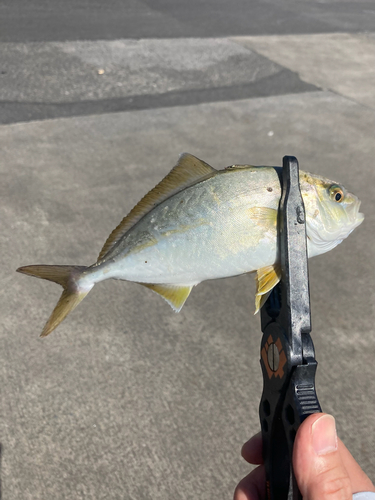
(210, 230)
(200, 224)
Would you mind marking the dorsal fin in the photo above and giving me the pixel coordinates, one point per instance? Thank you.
(187, 172)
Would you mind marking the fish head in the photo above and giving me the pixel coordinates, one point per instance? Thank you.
(332, 213)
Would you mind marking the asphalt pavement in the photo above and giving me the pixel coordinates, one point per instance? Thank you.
(126, 399)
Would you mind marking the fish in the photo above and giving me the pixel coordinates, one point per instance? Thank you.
(201, 224)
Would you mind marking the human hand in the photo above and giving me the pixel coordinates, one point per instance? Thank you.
(323, 466)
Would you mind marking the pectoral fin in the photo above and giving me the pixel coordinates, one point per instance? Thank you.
(263, 215)
(175, 295)
(266, 277)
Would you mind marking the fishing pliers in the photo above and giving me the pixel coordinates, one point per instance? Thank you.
(287, 354)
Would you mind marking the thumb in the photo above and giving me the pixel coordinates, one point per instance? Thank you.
(317, 462)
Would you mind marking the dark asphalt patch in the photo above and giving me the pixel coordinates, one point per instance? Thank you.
(46, 20)
(281, 83)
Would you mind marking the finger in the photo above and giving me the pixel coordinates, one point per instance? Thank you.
(318, 466)
(253, 486)
(252, 450)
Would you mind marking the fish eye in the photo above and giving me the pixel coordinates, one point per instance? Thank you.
(336, 193)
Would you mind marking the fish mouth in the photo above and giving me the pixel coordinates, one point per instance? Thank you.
(359, 219)
(355, 217)
(359, 216)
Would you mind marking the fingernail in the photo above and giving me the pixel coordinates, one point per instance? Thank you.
(324, 437)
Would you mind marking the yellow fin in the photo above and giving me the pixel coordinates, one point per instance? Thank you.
(175, 295)
(187, 172)
(68, 301)
(263, 214)
(67, 277)
(57, 274)
(267, 278)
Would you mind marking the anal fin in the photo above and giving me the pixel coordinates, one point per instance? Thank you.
(267, 278)
(175, 295)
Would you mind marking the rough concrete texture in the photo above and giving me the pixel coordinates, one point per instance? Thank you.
(119, 68)
(339, 62)
(128, 399)
(54, 79)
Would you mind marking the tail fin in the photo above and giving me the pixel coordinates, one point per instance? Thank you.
(67, 277)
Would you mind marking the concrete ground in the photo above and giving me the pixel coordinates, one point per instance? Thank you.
(126, 399)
